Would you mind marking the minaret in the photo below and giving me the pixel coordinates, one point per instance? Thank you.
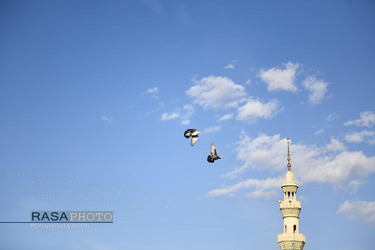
(291, 239)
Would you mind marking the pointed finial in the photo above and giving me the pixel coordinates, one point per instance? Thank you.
(288, 155)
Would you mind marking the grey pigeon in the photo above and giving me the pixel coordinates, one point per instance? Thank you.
(193, 133)
(213, 157)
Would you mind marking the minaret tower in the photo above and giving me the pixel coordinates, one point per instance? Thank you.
(291, 239)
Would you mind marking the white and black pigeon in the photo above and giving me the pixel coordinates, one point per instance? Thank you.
(213, 157)
(193, 133)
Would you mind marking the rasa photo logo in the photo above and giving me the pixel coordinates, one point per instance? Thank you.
(72, 216)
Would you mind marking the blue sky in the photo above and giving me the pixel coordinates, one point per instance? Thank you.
(95, 97)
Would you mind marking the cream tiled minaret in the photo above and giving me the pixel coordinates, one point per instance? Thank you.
(291, 239)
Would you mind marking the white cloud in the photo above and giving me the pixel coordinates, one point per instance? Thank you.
(363, 136)
(315, 164)
(231, 65)
(236, 172)
(169, 116)
(153, 92)
(152, 111)
(337, 169)
(355, 184)
(335, 145)
(107, 119)
(332, 163)
(262, 152)
(320, 131)
(226, 117)
(264, 194)
(212, 129)
(317, 88)
(280, 79)
(331, 117)
(184, 114)
(155, 110)
(367, 119)
(363, 211)
(255, 109)
(216, 92)
(188, 110)
(262, 187)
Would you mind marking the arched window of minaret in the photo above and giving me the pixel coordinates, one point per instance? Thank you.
(288, 195)
(294, 228)
(286, 229)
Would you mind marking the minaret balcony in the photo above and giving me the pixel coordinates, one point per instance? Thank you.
(290, 204)
(291, 237)
(289, 188)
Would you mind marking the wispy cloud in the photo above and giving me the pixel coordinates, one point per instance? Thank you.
(153, 92)
(236, 172)
(212, 130)
(226, 117)
(263, 188)
(331, 117)
(355, 184)
(280, 79)
(318, 89)
(254, 109)
(367, 119)
(184, 114)
(363, 211)
(215, 92)
(320, 131)
(106, 119)
(152, 111)
(363, 136)
(188, 111)
(169, 116)
(231, 65)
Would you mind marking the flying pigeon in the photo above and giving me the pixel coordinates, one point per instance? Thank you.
(193, 133)
(213, 157)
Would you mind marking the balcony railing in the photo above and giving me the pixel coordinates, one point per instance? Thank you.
(294, 236)
(290, 204)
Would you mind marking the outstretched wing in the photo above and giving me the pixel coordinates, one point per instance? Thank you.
(192, 130)
(194, 139)
(187, 134)
(213, 150)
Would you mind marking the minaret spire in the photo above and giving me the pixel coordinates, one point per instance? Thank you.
(289, 165)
